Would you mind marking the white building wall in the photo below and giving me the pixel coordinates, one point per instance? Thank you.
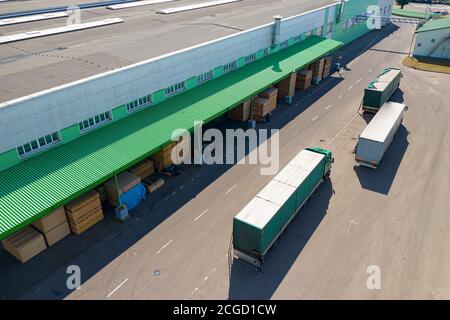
(33, 116)
(424, 44)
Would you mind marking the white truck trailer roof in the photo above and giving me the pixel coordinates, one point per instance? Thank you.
(380, 126)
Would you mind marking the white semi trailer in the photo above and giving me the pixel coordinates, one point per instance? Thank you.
(378, 135)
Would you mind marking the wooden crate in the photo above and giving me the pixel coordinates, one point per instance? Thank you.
(25, 244)
(304, 78)
(143, 169)
(286, 87)
(241, 112)
(80, 206)
(57, 233)
(51, 220)
(153, 183)
(317, 69)
(260, 107)
(163, 158)
(126, 180)
(88, 222)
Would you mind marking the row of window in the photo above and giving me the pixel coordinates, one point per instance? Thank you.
(205, 76)
(38, 144)
(229, 66)
(95, 121)
(250, 58)
(180, 86)
(102, 118)
(139, 103)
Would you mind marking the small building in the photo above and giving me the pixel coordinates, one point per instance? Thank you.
(433, 39)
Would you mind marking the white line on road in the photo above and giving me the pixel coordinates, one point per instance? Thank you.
(350, 88)
(359, 80)
(370, 70)
(201, 215)
(328, 107)
(340, 97)
(117, 288)
(164, 246)
(315, 118)
(229, 190)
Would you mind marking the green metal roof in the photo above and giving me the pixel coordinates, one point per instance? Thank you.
(45, 182)
(436, 24)
(411, 14)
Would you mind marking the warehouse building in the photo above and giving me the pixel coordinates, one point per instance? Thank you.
(433, 39)
(58, 144)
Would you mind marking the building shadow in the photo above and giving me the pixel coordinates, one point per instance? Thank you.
(380, 180)
(246, 282)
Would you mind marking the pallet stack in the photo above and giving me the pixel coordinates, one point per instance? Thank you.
(286, 87)
(241, 112)
(264, 104)
(126, 181)
(143, 169)
(153, 183)
(25, 244)
(326, 67)
(84, 212)
(102, 192)
(53, 226)
(304, 79)
(317, 69)
(163, 158)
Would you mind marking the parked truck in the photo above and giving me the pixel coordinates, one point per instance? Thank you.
(381, 89)
(259, 224)
(378, 135)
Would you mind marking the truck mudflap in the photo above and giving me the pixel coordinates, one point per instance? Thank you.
(247, 258)
(372, 164)
(370, 109)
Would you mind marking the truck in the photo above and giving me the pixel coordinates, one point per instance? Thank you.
(259, 224)
(381, 89)
(378, 135)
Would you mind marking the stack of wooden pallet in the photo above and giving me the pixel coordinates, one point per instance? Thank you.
(286, 87)
(126, 181)
(153, 183)
(317, 69)
(304, 78)
(264, 104)
(271, 94)
(25, 244)
(102, 192)
(143, 169)
(53, 226)
(327, 66)
(163, 158)
(84, 212)
(241, 112)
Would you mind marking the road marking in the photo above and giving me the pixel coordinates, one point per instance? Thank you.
(359, 80)
(159, 251)
(117, 288)
(229, 190)
(350, 88)
(340, 97)
(315, 118)
(174, 193)
(181, 187)
(370, 71)
(201, 215)
(328, 107)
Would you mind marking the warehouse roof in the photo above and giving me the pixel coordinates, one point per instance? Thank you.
(436, 24)
(43, 183)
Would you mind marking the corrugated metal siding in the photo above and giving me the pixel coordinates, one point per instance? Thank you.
(40, 184)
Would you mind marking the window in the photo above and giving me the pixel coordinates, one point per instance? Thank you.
(95, 121)
(419, 44)
(180, 86)
(433, 40)
(205, 76)
(250, 58)
(298, 38)
(284, 44)
(266, 51)
(39, 144)
(139, 103)
(229, 66)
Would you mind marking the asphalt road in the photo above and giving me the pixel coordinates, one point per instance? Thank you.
(176, 246)
(51, 61)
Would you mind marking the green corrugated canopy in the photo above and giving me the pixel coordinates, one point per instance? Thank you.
(47, 181)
